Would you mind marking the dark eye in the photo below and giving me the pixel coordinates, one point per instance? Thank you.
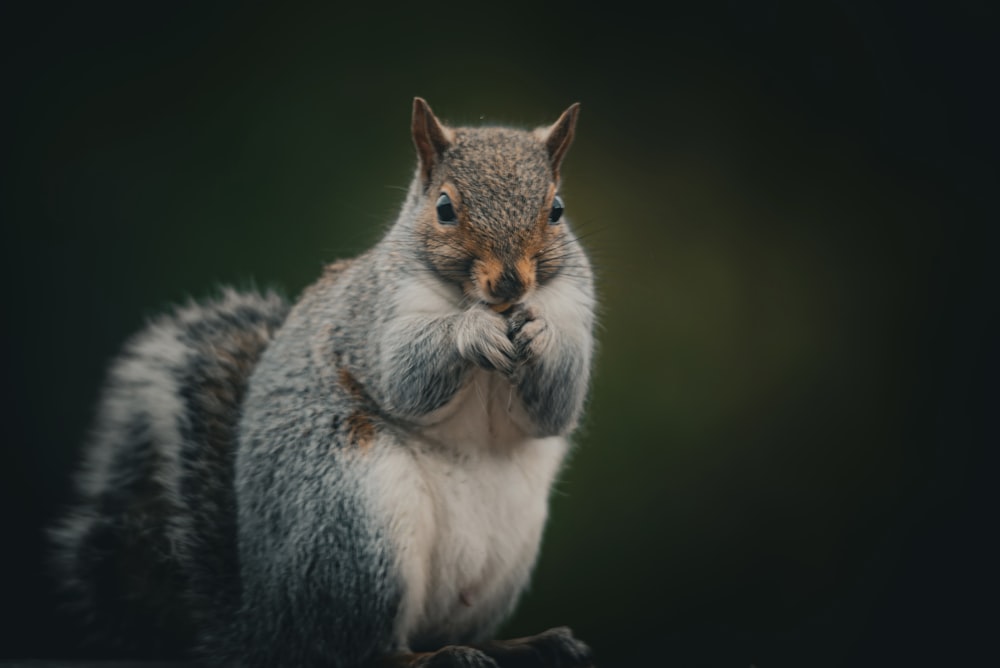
(446, 212)
(557, 210)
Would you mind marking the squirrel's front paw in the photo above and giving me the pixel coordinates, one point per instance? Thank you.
(530, 333)
(482, 338)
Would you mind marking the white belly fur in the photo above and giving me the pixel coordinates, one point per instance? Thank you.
(467, 499)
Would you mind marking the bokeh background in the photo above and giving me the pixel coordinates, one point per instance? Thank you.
(790, 449)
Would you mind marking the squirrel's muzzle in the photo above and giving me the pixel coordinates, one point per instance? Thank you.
(508, 287)
(503, 284)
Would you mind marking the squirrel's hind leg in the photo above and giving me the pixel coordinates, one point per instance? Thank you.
(554, 648)
(452, 656)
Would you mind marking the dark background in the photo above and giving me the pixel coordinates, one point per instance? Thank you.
(790, 449)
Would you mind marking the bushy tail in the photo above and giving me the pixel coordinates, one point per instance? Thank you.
(147, 551)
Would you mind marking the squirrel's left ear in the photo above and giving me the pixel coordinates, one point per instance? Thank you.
(429, 136)
(559, 136)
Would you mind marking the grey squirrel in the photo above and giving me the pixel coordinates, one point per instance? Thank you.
(362, 477)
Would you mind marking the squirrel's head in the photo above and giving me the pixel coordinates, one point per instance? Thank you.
(489, 217)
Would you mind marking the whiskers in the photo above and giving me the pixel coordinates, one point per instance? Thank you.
(563, 257)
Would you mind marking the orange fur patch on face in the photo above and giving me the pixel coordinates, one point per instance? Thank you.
(517, 265)
(450, 248)
(487, 272)
(547, 249)
(525, 267)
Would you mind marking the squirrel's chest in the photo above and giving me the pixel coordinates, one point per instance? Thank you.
(465, 519)
(486, 414)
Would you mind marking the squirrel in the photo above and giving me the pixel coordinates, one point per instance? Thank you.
(361, 477)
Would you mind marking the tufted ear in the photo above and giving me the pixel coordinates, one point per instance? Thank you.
(429, 136)
(559, 136)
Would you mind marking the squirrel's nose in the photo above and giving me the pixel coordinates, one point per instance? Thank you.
(508, 286)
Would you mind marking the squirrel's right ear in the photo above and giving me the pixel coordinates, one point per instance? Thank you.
(429, 136)
(559, 136)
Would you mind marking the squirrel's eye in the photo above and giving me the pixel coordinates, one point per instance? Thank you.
(557, 210)
(446, 212)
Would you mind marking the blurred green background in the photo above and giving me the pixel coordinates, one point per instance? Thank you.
(785, 460)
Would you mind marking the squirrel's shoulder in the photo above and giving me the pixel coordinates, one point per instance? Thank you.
(332, 273)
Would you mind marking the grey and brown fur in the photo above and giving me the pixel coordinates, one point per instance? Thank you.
(360, 478)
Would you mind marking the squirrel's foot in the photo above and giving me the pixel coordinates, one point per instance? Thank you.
(554, 648)
(456, 656)
(451, 656)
